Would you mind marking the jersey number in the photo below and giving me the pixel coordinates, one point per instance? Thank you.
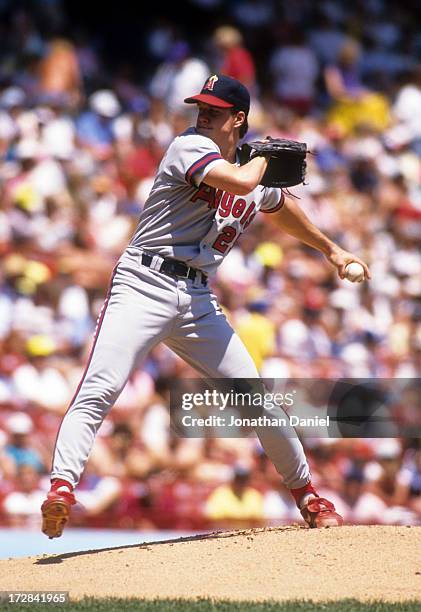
(224, 239)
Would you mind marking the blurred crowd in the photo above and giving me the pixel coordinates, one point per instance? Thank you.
(80, 142)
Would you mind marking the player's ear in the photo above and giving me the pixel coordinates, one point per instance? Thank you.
(240, 117)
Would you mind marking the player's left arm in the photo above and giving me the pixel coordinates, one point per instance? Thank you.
(295, 222)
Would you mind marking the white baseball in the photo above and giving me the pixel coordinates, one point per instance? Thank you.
(354, 272)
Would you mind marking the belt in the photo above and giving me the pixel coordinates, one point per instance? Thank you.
(175, 268)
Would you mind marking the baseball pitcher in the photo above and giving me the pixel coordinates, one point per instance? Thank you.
(204, 196)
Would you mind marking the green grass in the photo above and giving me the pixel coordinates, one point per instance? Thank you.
(207, 605)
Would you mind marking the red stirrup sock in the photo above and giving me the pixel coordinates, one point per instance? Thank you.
(57, 483)
(298, 494)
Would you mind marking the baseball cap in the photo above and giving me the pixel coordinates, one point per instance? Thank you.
(224, 92)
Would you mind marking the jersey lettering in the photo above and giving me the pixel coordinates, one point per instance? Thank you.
(208, 194)
(217, 198)
(225, 206)
(226, 203)
(246, 216)
(238, 208)
(224, 239)
(205, 193)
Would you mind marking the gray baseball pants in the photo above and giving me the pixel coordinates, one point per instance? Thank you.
(143, 308)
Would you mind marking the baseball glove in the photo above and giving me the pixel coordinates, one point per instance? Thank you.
(287, 160)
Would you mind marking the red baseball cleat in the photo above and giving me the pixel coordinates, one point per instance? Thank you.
(56, 511)
(320, 512)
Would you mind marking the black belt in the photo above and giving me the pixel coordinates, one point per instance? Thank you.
(173, 267)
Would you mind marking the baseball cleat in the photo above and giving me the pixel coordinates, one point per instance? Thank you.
(55, 512)
(319, 512)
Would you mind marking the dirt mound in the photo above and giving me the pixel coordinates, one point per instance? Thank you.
(278, 563)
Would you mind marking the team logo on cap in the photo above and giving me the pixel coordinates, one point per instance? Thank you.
(211, 82)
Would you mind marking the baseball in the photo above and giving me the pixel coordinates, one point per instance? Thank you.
(354, 272)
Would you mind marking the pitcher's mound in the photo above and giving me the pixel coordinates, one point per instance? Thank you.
(365, 563)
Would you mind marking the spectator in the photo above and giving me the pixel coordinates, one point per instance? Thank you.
(7, 464)
(97, 495)
(379, 502)
(326, 39)
(59, 71)
(236, 503)
(19, 447)
(174, 79)
(352, 491)
(236, 61)
(94, 127)
(277, 507)
(253, 14)
(408, 489)
(119, 457)
(39, 380)
(353, 103)
(257, 331)
(295, 68)
(405, 110)
(22, 505)
(11, 103)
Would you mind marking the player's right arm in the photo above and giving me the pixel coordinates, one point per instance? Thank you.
(239, 180)
(295, 222)
(196, 159)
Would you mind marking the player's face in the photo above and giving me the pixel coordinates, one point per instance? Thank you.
(215, 122)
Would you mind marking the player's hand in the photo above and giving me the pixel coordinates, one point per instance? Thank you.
(340, 259)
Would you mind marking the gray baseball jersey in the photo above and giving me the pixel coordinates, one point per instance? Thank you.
(186, 220)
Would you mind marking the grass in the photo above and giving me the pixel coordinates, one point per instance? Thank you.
(208, 605)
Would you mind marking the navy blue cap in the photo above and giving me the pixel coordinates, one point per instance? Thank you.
(224, 92)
